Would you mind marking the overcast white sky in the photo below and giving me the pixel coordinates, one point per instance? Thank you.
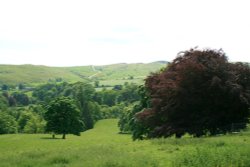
(97, 32)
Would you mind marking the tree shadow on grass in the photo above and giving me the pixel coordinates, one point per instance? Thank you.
(50, 138)
(124, 133)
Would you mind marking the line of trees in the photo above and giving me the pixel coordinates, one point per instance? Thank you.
(28, 113)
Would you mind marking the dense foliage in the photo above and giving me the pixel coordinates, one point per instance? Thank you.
(7, 123)
(27, 105)
(104, 91)
(128, 123)
(199, 93)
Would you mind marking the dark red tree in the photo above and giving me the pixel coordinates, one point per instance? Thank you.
(200, 92)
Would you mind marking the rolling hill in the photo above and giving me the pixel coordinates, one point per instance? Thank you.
(33, 74)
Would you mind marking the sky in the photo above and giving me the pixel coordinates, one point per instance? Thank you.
(99, 32)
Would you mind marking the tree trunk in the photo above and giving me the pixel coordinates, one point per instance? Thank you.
(53, 136)
(64, 136)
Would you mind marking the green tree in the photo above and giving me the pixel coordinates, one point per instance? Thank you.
(37, 109)
(25, 116)
(49, 91)
(21, 98)
(109, 97)
(95, 109)
(35, 125)
(83, 94)
(128, 121)
(3, 102)
(112, 112)
(21, 86)
(97, 84)
(5, 87)
(63, 117)
(117, 87)
(12, 101)
(129, 94)
(7, 123)
(125, 119)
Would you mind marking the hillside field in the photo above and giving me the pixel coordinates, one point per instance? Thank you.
(107, 74)
(103, 146)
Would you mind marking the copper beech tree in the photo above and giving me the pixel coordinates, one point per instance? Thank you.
(199, 93)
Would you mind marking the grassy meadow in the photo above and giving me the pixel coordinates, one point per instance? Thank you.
(103, 146)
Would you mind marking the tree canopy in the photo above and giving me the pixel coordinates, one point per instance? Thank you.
(63, 117)
(199, 93)
(7, 123)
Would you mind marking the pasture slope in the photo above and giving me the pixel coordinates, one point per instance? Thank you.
(117, 73)
(103, 146)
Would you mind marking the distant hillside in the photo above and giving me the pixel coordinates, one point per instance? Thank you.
(32, 74)
(14, 74)
(123, 71)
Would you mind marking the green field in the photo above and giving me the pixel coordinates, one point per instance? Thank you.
(103, 146)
